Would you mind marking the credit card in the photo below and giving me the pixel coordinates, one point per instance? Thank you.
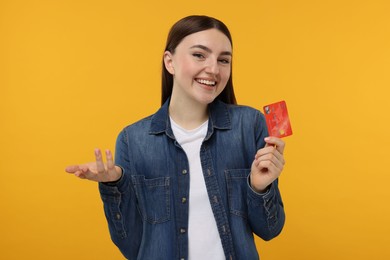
(278, 122)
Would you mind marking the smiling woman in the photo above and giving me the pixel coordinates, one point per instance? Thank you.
(186, 27)
(211, 179)
(74, 73)
(200, 66)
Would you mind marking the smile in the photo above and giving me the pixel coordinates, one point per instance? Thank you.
(206, 82)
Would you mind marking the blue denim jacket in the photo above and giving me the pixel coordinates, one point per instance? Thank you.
(147, 209)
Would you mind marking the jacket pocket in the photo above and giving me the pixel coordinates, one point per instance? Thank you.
(153, 197)
(237, 182)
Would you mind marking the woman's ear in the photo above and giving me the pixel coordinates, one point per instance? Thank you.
(168, 62)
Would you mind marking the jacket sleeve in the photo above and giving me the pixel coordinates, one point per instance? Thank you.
(124, 220)
(265, 211)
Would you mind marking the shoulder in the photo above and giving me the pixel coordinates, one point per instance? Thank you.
(136, 132)
(140, 126)
(242, 108)
(245, 112)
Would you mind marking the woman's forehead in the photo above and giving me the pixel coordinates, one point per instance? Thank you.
(212, 39)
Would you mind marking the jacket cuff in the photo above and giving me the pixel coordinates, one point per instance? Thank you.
(259, 199)
(115, 187)
(255, 192)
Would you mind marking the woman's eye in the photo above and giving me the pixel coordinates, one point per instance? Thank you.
(224, 61)
(198, 55)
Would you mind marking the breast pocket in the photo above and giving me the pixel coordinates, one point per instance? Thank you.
(237, 186)
(153, 197)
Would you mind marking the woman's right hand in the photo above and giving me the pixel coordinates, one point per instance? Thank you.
(97, 171)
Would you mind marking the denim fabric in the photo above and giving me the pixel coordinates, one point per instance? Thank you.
(147, 209)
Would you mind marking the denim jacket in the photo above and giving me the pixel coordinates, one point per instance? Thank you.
(147, 209)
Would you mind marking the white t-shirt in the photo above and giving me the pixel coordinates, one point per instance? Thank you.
(203, 237)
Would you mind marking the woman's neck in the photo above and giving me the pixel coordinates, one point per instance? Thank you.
(187, 114)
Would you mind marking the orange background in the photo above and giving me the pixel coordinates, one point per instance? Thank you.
(73, 73)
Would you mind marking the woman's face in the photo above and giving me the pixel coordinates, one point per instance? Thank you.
(200, 65)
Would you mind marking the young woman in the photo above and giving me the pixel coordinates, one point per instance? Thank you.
(200, 176)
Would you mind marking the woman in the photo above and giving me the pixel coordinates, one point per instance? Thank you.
(200, 176)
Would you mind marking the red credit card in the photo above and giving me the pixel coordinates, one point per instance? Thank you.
(276, 117)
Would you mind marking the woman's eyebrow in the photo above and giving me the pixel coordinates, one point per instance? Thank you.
(207, 49)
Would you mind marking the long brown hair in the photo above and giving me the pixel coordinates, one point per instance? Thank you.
(184, 27)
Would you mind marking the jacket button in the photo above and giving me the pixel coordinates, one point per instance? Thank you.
(183, 200)
(184, 172)
(182, 230)
(224, 229)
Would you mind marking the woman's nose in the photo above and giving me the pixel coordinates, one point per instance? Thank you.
(212, 67)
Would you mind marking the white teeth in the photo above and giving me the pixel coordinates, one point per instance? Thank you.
(206, 82)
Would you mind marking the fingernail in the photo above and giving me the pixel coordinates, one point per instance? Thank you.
(267, 138)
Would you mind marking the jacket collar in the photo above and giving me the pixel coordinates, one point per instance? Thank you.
(219, 118)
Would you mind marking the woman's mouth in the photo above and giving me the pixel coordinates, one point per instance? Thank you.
(206, 82)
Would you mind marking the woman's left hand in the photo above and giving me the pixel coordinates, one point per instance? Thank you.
(268, 164)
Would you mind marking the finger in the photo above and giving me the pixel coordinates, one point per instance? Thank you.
(275, 141)
(110, 162)
(99, 161)
(269, 150)
(274, 154)
(80, 174)
(72, 168)
(265, 166)
(265, 150)
(85, 173)
(276, 158)
(269, 167)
